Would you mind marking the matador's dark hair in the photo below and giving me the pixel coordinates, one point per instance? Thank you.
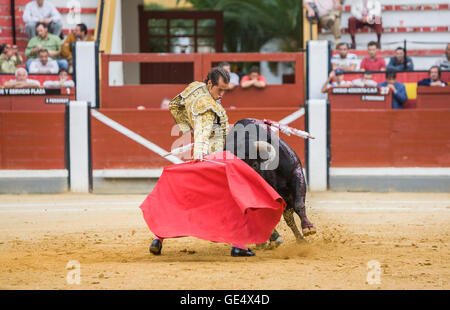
(215, 74)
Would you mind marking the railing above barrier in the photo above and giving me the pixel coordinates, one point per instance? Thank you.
(151, 95)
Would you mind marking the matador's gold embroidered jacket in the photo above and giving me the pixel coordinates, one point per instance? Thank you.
(195, 108)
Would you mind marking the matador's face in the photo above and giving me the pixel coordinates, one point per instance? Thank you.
(217, 91)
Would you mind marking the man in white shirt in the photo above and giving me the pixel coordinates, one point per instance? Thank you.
(234, 78)
(343, 59)
(42, 11)
(365, 13)
(22, 80)
(63, 81)
(365, 81)
(43, 64)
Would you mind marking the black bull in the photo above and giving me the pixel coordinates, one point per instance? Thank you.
(255, 143)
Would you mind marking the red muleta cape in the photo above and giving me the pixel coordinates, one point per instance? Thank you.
(228, 203)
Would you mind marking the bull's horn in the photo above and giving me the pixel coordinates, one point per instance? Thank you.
(266, 147)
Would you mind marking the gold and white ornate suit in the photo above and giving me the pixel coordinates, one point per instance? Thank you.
(195, 109)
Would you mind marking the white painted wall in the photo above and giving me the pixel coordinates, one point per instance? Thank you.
(84, 3)
(88, 19)
(79, 146)
(116, 68)
(130, 39)
(274, 78)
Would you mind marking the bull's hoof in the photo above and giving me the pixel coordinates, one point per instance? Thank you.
(277, 242)
(308, 231)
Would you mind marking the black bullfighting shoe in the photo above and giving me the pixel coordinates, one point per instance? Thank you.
(155, 247)
(240, 252)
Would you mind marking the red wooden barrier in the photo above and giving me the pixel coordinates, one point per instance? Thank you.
(395, 138)
(359, 101)
(151, 95)
(433, 97)
(34, 102)
(112, 150)
(32, 140)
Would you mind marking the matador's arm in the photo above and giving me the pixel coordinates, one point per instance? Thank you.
(203, 125)
(179, 115)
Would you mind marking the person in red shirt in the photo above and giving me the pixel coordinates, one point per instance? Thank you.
(373, 62)
(253, 79)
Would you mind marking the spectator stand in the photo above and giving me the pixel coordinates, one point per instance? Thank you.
(424, 24)
(35, 102)
(414, 20)
(14, 33)
(409, 79)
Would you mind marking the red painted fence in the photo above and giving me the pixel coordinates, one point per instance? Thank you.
(32, 140)
(390, 138)
(151, 95)
(112, 150)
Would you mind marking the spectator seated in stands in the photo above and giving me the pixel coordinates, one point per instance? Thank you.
(444, 62)
(343, 59)
(329, 15)
(365, 81)
(63, 81)
(48, 41)
(400, 62)
(365, 13)
(9, 59)
(372, 62)
(254, 79)
(41, 11)
(435, 78)
(80, 34)
(22, 80)
(43, 64)
(338, 76)
(234, 78)
(399, 96)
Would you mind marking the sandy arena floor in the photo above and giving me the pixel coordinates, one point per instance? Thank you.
(407, 233)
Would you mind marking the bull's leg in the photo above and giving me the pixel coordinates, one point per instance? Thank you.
(299, 202)
(274, 241)
(289, 218)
